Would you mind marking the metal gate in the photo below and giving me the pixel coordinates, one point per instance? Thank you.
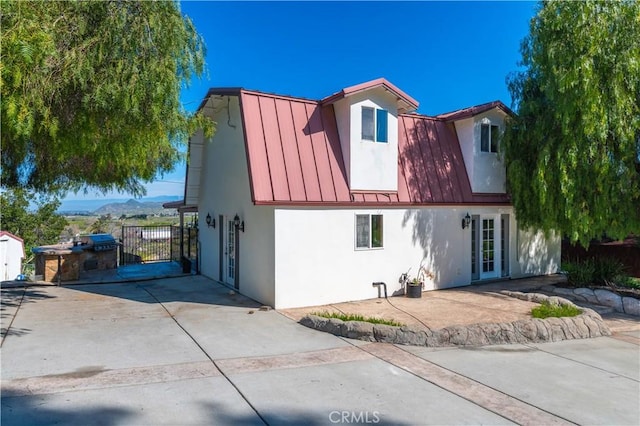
(142, 244)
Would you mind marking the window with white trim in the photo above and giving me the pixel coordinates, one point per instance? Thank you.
(375, 124)
(489, 136)
(368, 231)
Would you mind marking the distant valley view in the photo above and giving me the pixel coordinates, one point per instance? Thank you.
(117, 207)
(110, 216)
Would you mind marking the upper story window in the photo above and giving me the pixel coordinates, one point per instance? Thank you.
(374, 124)
(489, 134)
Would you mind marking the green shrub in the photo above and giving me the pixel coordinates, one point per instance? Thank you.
(600, 271)
(629, 282)
(579, 272)
(356, 317)
(546, 310)
(608, 270)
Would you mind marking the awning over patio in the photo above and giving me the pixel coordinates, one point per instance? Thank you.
(181, 206)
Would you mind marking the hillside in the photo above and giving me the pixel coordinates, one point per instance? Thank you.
(132, 207)
(95, 207)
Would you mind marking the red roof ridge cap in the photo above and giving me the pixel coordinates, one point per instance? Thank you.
(475, 110)
(351, 90)
(278, 96)
(237, 91)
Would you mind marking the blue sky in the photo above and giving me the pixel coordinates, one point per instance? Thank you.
(446, 55)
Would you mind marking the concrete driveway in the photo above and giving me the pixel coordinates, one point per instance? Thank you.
(186, 351)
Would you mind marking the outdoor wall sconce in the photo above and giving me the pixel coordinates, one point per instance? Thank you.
(466, 221)
(239, 225)
(210, 221)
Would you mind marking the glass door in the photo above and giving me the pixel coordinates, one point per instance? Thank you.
(489, 246)
(230, 253)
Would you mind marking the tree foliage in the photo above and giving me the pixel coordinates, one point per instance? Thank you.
(573, 151)
(32, 218)
(90, 92)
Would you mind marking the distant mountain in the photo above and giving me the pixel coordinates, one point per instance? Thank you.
(131, 207)
(150, 205)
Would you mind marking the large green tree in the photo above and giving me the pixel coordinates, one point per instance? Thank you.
(31, 217)
(573, 151)
(90, 92)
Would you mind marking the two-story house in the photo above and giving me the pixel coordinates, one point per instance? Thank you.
(305, 202)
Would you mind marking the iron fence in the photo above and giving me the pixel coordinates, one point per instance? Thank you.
(141, 244)
(186, 246)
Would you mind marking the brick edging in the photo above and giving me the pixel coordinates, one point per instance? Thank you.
(587, 324)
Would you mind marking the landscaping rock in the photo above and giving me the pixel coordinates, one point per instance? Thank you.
(608, 298)
(594, 329)
(527, 329)
(411, 336)
(492, 331)
(583, 330)
(384, 333)
(458, 335)
(508, 334)
(543, 332)
(557, 301)
(476, 335)
(600, 296)
(536, 297)
(631, 306)
(563, 291)
(359, 330)
(585, 294)
(587, 324)
(556, 329)
(570, 329)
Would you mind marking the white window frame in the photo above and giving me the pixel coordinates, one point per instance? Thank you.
(375, 137)
(490, 133)
(373, 123)
(369, 245)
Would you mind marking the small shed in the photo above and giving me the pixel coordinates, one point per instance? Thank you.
(11, 256)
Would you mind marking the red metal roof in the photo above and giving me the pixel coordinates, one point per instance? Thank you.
(474, 110)
(295, 157)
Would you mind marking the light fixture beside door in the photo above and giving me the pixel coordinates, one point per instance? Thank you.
(211, 222)
(466, 221)
(237, 223)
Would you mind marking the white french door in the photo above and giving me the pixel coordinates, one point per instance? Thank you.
(486, 242)
(488, 248)
(229, 252)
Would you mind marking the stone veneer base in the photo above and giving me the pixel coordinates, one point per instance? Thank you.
(600, 296)
(587, 324)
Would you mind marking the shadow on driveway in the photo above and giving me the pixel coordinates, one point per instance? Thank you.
(186, 289)
(10, 301)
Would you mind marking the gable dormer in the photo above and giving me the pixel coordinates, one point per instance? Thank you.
(367, 120)
(479, 129)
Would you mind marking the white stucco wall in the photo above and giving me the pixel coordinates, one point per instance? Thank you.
(537, 254)
(194, 169)
(11, 254)
(372, 166)
(224, 190)
(317, 262)
(464, 130)
(486, 169)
